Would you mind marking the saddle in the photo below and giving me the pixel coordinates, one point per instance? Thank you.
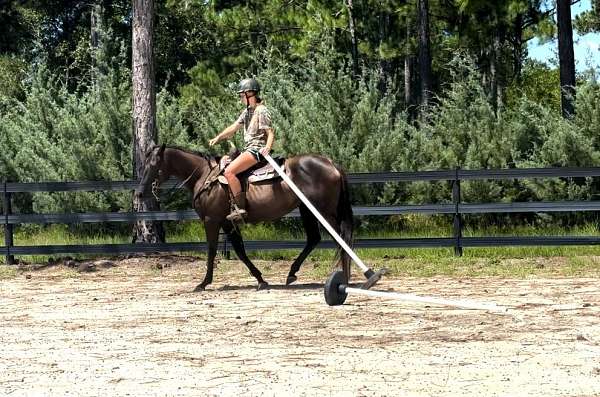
(259, 172)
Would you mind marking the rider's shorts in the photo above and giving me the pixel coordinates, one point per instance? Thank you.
(259, 157)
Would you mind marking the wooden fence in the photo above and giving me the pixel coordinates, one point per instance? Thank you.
(456, 208)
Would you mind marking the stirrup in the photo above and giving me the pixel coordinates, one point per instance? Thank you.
(237, 215)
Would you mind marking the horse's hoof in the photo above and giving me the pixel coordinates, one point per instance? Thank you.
(199, 288)
(263, 285)
(290, 280)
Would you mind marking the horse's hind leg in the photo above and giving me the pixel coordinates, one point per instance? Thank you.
(237, 242)
(313, 237)
(343, 257)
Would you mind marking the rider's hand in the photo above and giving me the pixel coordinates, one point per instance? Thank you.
(213, 141)
(264, 151)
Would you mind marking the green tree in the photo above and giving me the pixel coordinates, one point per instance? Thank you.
(589, 21)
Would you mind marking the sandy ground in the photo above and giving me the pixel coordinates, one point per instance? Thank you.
(135, 329)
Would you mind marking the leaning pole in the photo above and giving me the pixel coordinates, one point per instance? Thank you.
(365, 269)
(336, 291)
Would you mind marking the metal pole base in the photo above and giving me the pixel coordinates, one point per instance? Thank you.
(373, 278)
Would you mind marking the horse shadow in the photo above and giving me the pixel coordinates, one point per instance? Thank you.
(280, 287)
(273, 287)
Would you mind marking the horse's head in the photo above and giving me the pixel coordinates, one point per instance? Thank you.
(153, 174)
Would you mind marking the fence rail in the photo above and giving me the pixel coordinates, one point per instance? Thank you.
(455, 207)
(431, 242)
(358, 178)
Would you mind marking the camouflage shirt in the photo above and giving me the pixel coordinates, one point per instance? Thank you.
(256, 121)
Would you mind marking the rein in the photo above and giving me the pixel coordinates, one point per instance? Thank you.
(210, 178)
(170, 192)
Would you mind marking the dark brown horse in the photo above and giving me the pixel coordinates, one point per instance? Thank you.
(323, 183)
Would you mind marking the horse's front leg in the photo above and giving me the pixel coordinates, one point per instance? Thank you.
(212, 240)
(235, 237)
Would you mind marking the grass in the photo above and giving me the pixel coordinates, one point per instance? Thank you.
(419, 262)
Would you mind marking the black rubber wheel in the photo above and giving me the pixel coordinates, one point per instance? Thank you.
(333, 295)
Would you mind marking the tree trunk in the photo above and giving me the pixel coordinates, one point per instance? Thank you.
(95, 26)
(408, 72)
(95, 39)
(424, 52)
(353, 40)
(518, 47)
(494, 70)
(565, 57)
(385, 65)
(409, 62)
(144, 112)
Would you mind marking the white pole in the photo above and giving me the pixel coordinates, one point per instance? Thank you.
(428, 299)
(316, 213)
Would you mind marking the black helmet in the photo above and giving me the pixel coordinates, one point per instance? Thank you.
(249, 85)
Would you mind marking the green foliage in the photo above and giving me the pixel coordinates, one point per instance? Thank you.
(12, 70)
(539, 83)
(588, 21)
(587, 118)
(55, 134)
(65, 109)
(319, 108)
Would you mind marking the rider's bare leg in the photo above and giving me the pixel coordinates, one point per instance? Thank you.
(240, 164)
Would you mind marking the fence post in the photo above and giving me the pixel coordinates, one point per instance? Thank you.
(8, 228)
(225, 251)
(458, 251)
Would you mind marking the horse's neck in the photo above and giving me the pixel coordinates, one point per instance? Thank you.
(186, 166)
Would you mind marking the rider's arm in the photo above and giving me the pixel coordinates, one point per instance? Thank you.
(264, 123)
(226, 133)
(270, 138)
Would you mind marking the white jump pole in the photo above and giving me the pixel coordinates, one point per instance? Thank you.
(336, 291)
(492, 307)
(367, 272)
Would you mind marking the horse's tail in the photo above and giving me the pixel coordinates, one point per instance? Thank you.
(344, 218)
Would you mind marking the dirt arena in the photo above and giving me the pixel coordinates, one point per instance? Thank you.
(136, 329)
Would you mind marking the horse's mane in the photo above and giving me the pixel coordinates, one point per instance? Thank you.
(205, 156)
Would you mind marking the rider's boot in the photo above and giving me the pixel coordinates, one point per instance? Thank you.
(238, 213)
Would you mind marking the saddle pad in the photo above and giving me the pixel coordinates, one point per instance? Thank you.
(263, 173)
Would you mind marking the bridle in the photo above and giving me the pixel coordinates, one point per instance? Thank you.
(156, 185)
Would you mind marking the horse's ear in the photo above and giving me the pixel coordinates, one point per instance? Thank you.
(162, 149)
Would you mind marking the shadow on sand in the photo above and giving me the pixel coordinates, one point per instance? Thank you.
(279, 287)
(307, 286)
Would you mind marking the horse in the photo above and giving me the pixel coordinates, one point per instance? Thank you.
(324, 183)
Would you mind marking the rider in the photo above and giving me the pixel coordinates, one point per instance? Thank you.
(258, 141)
